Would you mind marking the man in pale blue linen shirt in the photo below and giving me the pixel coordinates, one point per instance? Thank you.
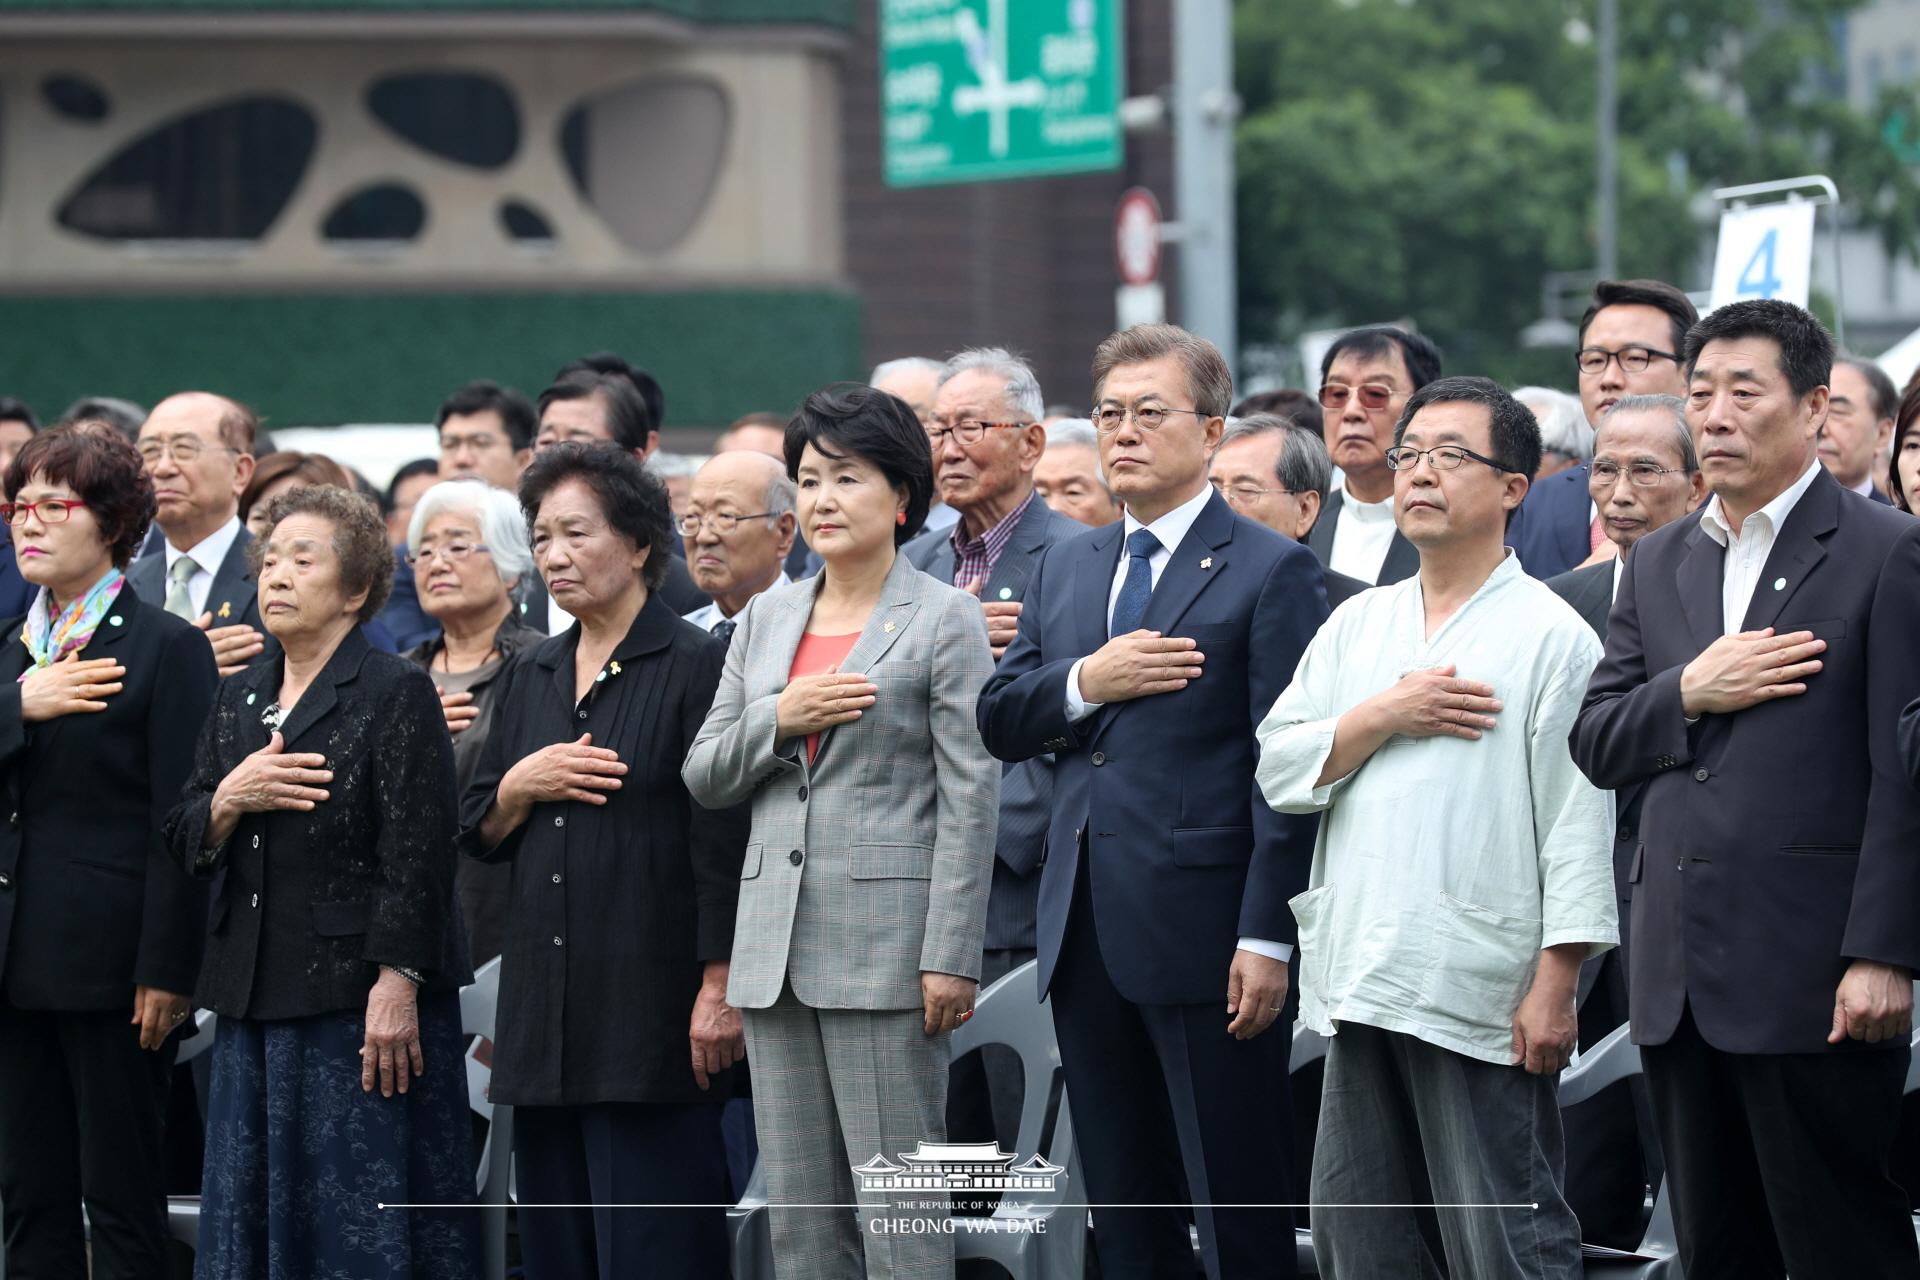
(1461, 875)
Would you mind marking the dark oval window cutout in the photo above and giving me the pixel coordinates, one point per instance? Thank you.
(220, 173)
(524, 222)
(76, 97)
(385, 212)
(646, 156)
(457, 115)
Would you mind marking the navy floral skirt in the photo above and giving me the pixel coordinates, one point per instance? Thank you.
(300, 1159)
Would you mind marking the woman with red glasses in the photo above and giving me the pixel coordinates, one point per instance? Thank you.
(101, 699)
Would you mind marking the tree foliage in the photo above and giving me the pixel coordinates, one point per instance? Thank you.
(1434, 159)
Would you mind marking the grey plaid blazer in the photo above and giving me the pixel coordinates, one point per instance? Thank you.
(872, 864)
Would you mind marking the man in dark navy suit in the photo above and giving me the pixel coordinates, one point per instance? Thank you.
(1630, 339)
(1146, 654)
(1757, 661)
(1860, 413)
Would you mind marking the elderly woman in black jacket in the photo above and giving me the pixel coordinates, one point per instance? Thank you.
(614, 1035)
(322, 804)
(101, 695)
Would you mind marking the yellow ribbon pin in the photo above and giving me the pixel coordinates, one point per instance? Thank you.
(226, 609)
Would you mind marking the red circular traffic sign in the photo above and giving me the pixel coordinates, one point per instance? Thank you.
(1136, 236)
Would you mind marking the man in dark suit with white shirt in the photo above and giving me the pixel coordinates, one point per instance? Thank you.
(1860, 414)
(198, 449)
(1645, 475)
(1365, 380)
(1276, 471)
(1147, 652)
(1757, 662)
(1630, 340)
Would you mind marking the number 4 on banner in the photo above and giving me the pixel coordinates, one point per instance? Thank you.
(1758, 278)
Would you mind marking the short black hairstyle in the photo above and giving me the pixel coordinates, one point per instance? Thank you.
(854, 418)
(632, 497)
(1886, 400)
(93, 458)
(516, 412)
(1681, 313)
(418, 467)
(627, 415)
(1515, 431)
(1417, 352)
(1806, 348)
(645, 383)
(12, 410)
(1290, 403)
(123, 415)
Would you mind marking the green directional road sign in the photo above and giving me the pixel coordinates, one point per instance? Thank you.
(973, 90)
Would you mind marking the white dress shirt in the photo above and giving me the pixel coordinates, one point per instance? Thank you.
(1362, 536)
(208, 555)
(1170, 529)
(1443, 865)
(708, 614)
(1619, 561)
(1747, 550)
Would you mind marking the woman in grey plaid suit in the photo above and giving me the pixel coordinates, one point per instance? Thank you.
(846, 715)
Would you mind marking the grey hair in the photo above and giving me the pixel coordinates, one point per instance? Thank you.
(1563, 423)
(502, 525)
(905, 364)
(1674, 407)
(1078, 431)
(1023, 389)
(1304, 465)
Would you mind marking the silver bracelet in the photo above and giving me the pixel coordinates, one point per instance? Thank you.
(411, 975)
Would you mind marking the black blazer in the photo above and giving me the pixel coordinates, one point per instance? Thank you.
(616, 908)
(307, 906)
(1403, 558)
(1590, 592)
(232, 597)
(1910, 739)
(1781, 842)
(1026, 788)
(91, 904)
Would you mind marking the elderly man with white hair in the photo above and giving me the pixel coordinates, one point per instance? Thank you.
(467, 544)
(915, 379)
(739, 526)
(1566, 440)
(1070, 478)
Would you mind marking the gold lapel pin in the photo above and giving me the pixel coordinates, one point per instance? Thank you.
(887, 627)
(226, 608)
(615, 668)
(1207, 563)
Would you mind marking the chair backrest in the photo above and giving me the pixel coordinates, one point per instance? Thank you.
(480, 999)
(1308, 1046)
(1011, 1013)
(1612, 1060)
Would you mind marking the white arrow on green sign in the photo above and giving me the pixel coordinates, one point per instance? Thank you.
(973, 90)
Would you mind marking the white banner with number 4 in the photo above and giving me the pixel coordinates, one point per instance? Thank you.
(1765, 252)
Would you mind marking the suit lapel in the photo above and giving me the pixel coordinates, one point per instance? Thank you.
(1402, 562)
(887, 623)
(324, 694)
(1698, 580)
(1797, 548)
(1093, 585)
(1029, 539)
(1199, 558)
(230, 596)
(148, 575)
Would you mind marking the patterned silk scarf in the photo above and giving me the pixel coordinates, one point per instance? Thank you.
(50, 639)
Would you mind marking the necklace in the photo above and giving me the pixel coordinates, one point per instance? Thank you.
(446, 659)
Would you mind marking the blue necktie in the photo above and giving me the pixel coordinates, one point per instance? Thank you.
(1138, 588)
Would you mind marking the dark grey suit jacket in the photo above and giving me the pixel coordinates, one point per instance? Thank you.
(1590, 592)
(1026, 789)
(1403, 558)
(231, 599)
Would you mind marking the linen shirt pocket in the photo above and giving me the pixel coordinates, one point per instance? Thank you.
(1312, 916)
(1482, 963)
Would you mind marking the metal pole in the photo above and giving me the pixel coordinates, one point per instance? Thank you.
(1607, 180)
(1204, 110)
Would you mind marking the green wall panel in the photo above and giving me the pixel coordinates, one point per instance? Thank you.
(305, 359)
